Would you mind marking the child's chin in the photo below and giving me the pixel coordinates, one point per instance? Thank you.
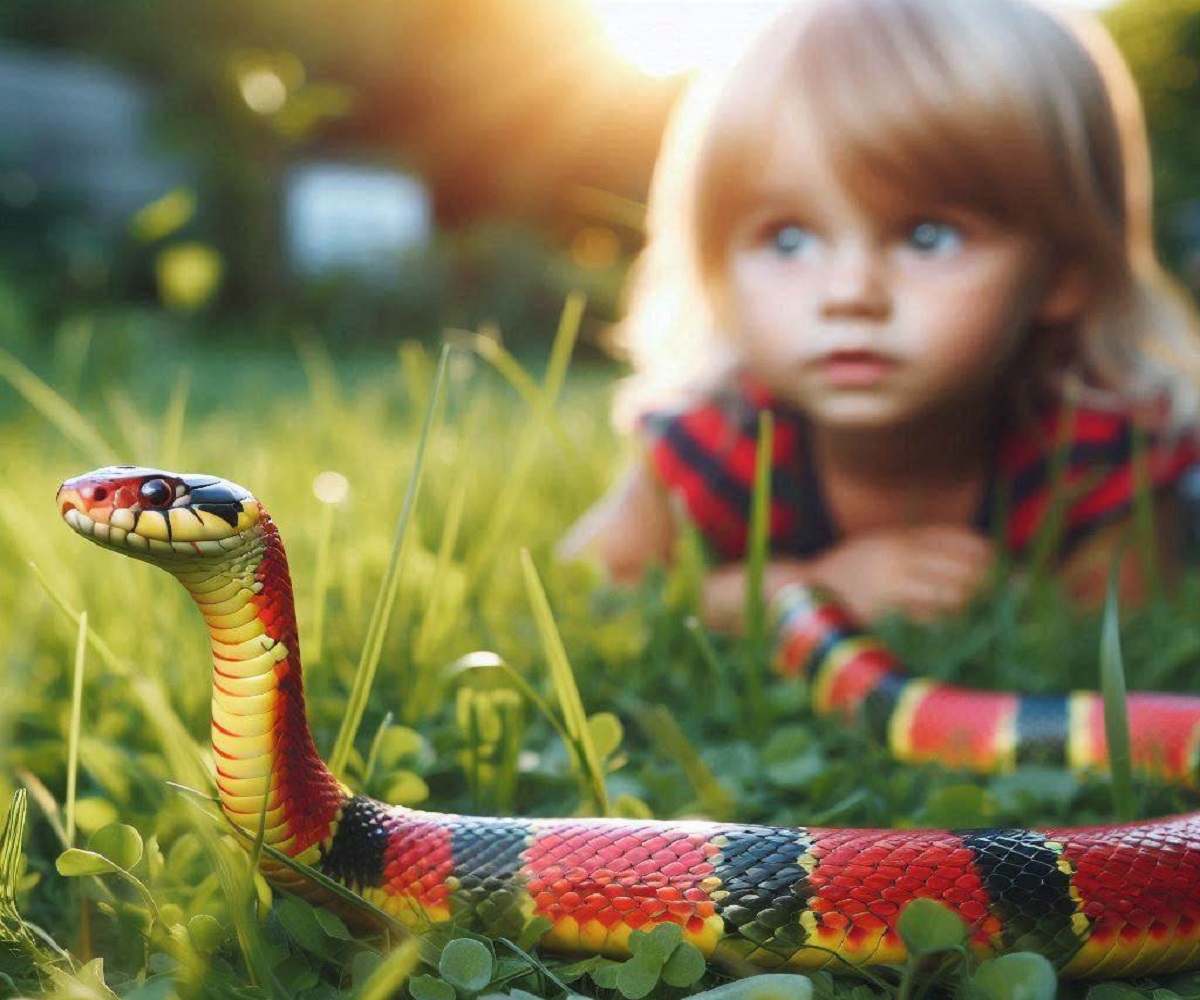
(855, 411)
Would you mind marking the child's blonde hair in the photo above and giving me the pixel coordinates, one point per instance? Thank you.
(993, 105)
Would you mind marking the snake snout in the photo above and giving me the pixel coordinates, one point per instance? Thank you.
(83, 497)
(69, 499)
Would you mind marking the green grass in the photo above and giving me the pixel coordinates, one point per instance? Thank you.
(655, 718)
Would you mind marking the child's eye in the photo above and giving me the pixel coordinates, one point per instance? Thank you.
(931, 237)
(790, 240)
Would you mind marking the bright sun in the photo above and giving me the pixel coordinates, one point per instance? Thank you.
(665, 37)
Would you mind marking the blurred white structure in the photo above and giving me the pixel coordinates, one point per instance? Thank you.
(352, 218)
(70, 127)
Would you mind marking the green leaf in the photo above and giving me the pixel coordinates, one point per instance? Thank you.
(607, 733)
(685, 966)
(1019, 976)
(300, 921)
(154, 989)
(75, 861)
(657, 943)
(205, 932)
(93, 813)
(295, 974)
(430, 988)
(774, 986)
(605, 976)
(1115, 992)
(798, 772)
(332, 924)
(928, 926)
(467, 964)
(121, 844)
(637, 977)
(405, 788)
(960, 806)
(363, 966)
(399, 743)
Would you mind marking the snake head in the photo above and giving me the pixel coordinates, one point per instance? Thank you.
(151, 514)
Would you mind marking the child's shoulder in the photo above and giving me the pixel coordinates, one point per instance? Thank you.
(1078, 466)
(719, 415)
(704, 451)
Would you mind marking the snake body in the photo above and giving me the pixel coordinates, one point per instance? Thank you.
(1116, 900)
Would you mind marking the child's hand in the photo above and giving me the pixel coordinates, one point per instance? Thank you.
(922, 572)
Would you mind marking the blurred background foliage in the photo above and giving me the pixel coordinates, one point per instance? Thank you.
(534, 154)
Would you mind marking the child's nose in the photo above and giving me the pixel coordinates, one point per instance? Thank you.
(855, 285)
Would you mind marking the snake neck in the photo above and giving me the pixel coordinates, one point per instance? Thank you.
(268, 771)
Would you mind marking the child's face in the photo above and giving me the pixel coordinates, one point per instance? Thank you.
(868, 316)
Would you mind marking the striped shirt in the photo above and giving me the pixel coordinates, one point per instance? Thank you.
(1064, 475)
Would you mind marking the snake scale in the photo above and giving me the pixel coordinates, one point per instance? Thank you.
(1113, 901)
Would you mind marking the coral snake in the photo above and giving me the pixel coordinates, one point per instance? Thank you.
(1113, 901)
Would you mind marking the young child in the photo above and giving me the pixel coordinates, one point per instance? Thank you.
(918, 233)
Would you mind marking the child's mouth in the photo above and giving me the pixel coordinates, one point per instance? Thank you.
(855, 369)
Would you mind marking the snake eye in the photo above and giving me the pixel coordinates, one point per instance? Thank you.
(157, 492)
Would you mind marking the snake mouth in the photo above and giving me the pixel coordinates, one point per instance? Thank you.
(96, 524)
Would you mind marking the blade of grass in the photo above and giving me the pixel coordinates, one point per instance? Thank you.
(1116, 709)
(364, 675)
(235, 875)
(72, 344)
(516, 482)
(73, 729)
(564, 345)
(441, 607)
(1048, 539)
(662, 728)
(1145, 534)
(416, 370)
(532, 395)
(61, 414)
(11, 837)
(181, 750)
(391, 974)
(38, 948)
(598, 203)
(324, 390)
(563, 680)
(756, 563)
(316, 634)
(373, 753)
(111, 660)
(136, 431)
(44, 799)
(174, 421)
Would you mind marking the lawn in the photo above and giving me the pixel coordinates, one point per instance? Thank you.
(511, 458)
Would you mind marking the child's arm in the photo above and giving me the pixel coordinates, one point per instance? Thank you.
(921, 571)
(629, 529)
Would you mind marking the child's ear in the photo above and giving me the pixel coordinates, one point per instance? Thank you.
(1067, 297)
